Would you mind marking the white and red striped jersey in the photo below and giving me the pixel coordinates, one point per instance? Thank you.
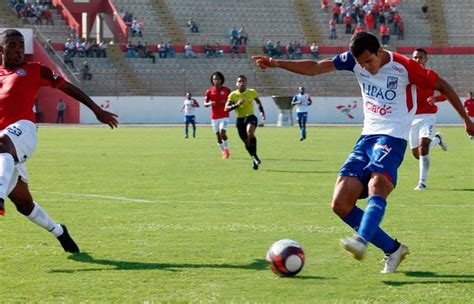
(390, 95)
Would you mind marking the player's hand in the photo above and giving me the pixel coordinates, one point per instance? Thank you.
(432, 100)
(265, 62)
(107, 118)
(264, 117)
(469, 127)
(240, 102)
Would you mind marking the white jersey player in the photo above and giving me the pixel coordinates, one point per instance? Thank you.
(387, 82)
(301, 102)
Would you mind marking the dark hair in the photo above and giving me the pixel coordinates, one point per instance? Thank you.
(242, 76)
(9, 33)
(422, 51)
(219, 75)
(364, 41)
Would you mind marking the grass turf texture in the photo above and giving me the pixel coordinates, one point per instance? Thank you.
(163, 218)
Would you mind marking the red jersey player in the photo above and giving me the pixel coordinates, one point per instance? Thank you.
(469, 106)
(216, 97)
(423, 134)
(18, 137)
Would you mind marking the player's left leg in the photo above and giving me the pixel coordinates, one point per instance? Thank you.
(252, 143)
(425, 161)
(304, 117)
(193, 122)
(24, 203)
(439, 139)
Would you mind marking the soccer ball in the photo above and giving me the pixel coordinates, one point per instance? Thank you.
(286, 258)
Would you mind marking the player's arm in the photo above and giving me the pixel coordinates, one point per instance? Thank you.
(260, 107)
(436, 98)
(207, 101)
(231, 104)
(195, 103)
(303, 67)
(102, 115)
(445, 88)
(310, 101)
(294, 101)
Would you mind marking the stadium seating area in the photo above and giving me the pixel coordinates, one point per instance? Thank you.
(276, 20)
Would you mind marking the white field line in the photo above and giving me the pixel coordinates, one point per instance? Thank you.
(135, 200)
(118, 198)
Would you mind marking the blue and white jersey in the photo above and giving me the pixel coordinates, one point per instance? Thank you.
(389, 96)
(303, 106)
(189, 107)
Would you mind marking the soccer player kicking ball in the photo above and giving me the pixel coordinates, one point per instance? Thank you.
(423, 128)
(18, 136)
(216, 97)
(241, 100)
(371, 168)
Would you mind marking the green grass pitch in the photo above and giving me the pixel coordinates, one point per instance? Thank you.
(160, 218)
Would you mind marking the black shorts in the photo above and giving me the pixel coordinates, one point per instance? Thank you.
(242, 122)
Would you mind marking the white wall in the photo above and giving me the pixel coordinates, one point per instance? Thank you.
(166, 110)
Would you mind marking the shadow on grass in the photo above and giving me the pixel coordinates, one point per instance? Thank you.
(300, 171)
(434, 278)
(84, 257)
(457, 189)
(281, 159)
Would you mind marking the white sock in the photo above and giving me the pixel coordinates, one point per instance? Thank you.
(226, 144)
(434, 142)
(424, 167)
(41, 218)
(7, 165)
(221, 145)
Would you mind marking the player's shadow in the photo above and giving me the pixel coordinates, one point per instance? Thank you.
(84, 257)
(457, 189)
(302, 171)
(434, 278)
(282, 159)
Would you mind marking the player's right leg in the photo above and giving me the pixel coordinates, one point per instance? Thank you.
(223, 125)
(24, 203)
(346, 192)
(186, 127)
(352, 184)
(7, 166)
(17, 144)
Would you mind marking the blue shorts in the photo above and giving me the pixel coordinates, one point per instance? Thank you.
(302, 116)
(375, 153)
(190, 119)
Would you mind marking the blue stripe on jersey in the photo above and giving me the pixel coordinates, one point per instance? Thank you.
(344, 61)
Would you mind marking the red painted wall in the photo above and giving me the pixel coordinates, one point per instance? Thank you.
(73, 14)
(48, 97)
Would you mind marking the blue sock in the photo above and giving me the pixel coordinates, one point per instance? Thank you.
(303, 132)
(186, 131)
(380, 238)
(354, 217)
(372, 218)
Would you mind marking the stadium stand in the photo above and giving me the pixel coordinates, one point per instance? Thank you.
(448, 23)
